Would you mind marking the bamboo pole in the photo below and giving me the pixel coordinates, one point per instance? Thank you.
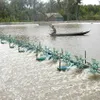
(60, 60)
(37, 52)
(85, 57)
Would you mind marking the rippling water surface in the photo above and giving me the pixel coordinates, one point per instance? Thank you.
(24, 78)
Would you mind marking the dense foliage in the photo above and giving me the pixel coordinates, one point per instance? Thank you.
(34, 10)
(90, 12)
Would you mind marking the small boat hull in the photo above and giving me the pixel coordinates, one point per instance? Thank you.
(71, 34)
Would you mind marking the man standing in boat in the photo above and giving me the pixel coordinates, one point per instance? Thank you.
(54, 30)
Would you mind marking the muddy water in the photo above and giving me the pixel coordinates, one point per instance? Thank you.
(75, 44)
(24, 78)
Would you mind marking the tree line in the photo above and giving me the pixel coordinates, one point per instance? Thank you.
(35, 10)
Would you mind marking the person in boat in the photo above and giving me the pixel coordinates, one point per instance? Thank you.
(54, 30)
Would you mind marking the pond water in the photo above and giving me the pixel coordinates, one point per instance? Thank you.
(24, 78)
(74, 44)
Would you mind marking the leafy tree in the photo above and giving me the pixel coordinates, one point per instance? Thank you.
(31, 10)
(51, 6)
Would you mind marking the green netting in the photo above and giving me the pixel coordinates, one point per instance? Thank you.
(94, 68)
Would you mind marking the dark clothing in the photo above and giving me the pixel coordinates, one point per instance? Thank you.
(54, 30)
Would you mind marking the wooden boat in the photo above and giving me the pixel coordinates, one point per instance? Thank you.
(72, 34)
